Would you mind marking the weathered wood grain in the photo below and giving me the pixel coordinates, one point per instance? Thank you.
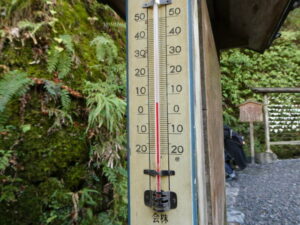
(213, 122)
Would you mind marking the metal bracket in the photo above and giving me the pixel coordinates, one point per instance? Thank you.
(162, 173)
(162, 201)
(160, 2)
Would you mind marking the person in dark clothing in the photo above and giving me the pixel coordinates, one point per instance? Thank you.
(230, 173)
(233, 144)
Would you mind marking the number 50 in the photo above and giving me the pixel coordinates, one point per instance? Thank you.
(174, 11)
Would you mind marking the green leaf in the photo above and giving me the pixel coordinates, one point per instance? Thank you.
(13, 84)
(106, 50)
(25, 128)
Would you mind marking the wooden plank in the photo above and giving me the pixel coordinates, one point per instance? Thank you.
(212, 121)
(266, 120)
(276, 90)
(202, 175)
(251, 112)
(249, 23)
(285, 143)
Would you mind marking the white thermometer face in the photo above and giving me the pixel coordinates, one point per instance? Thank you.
(161, 155)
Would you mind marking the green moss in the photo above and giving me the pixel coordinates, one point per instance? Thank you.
(77, 24)
(54, 164)
(75, 177)
(47, 155)
(23, 212)
(49, 187)
(16, 57)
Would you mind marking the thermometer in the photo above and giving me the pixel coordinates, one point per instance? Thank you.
(161, 129)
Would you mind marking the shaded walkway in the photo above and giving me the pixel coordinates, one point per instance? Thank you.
(266, 194)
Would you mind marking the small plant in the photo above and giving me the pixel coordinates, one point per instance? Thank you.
(104, 109)
(106, 50)
(60, 56)
(56, 91)
(5, 156)
(61, 115)
(61, 118)
(32, 28)
(13, 84)
(58, 210)
(117, 177)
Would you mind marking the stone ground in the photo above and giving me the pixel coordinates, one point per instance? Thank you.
(265, 194)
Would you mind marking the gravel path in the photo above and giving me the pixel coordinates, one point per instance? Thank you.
(266, 194)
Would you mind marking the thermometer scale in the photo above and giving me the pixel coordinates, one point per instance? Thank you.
(163, 169)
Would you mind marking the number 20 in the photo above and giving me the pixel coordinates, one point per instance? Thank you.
(177, 149)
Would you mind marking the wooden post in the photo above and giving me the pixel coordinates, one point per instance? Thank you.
(213, 141)
(252, 143)
(266, 118)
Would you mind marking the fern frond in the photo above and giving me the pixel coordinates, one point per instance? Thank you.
(67, 41)
(110, 174)
(65, 100)
(105, 48)
(53, 59)
(60, 58)
(52, 88)
(33, 27)
(99, 42)
(13, 84)
(64, 64)
(90, 88)
(4, 159)
(105, 110)
(61, 118)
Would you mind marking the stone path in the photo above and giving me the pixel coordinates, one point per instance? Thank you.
(267, 194)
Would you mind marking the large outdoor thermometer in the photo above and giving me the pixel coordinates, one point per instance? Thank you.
(162, 170)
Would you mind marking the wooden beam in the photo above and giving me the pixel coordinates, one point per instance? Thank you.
(285, 143)
(249, 23)
(276, 90)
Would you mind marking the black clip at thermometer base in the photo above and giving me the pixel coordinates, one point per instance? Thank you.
(161, 173)
(162, 201)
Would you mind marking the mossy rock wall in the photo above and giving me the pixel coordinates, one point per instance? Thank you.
(51, 177)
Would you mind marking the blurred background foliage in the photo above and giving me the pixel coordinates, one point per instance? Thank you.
(244, 69)
(63, 103)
